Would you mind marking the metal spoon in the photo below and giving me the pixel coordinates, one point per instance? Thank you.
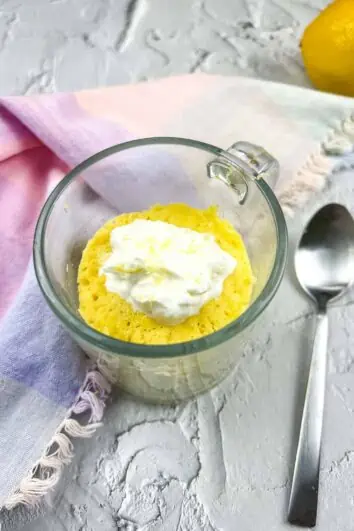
(324, 264)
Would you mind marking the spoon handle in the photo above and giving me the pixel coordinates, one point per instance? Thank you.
(304, 489)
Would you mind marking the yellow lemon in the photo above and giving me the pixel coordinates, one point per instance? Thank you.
(327, 48)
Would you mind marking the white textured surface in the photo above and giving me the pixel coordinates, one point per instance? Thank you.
(73, 44)
(224, 461)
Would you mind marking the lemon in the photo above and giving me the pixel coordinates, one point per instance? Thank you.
(327, 48)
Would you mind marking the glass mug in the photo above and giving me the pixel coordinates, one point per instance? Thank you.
(133, 176)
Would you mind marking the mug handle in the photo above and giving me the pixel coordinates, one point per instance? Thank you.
(243, 161)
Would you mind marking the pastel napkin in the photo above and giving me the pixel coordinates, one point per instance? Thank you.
(49, 393)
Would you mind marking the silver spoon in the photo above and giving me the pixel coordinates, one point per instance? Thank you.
(324, 264)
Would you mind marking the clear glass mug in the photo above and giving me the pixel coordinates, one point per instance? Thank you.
(133, 176)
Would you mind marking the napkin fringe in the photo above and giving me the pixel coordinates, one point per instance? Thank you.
(312, 176)
(47, 470)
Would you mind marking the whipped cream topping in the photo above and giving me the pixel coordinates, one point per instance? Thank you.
(164, 271)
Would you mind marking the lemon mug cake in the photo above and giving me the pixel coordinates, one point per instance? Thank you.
(165, 275)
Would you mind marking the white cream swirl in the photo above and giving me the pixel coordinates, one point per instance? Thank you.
(166, 272)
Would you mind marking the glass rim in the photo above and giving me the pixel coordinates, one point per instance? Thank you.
(115, 346)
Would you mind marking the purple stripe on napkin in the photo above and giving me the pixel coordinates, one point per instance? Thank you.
(36, 351)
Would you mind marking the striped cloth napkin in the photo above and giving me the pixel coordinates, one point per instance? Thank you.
(49, 393)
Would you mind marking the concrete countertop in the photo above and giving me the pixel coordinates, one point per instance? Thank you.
(66, 45)
(224, 461)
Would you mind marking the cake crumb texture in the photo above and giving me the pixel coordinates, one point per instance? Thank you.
(110, 314)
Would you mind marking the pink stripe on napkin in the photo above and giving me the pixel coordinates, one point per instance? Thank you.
(40, 139)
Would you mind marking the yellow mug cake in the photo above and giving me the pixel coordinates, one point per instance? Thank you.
(165, 275)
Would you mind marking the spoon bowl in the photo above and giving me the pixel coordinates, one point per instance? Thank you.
(324, 264)
(324, 260)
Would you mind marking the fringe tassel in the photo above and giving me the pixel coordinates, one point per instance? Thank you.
(47, 471)
(340, 141)
(314, 173)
